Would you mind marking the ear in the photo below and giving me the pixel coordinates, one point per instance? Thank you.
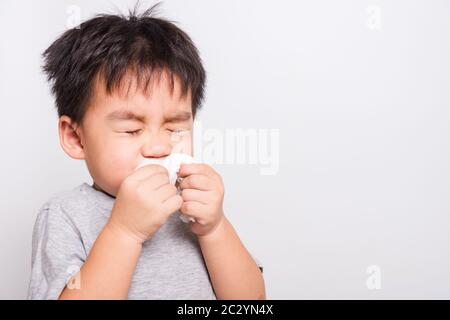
(70, 138)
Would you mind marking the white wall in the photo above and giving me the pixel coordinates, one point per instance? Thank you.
(360, 94)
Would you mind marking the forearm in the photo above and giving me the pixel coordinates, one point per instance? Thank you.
(233, 272)
(109, 268)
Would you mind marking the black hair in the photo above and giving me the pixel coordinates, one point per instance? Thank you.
(112, 46)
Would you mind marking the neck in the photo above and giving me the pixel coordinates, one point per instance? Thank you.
(96, 187)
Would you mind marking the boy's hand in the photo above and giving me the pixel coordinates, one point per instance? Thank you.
(202, 192)
(144, 202)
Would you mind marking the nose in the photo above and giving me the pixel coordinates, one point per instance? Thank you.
(156, 146)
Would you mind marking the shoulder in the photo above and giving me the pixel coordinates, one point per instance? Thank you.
(65, 205)
(63, 199)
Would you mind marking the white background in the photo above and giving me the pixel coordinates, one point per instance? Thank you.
(362, 104)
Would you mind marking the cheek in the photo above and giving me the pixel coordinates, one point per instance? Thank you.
(182, 144)
(118, 160)
(123, 158)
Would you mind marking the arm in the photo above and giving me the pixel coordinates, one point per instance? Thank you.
(234, 274)
(144, 202)
(109, 268)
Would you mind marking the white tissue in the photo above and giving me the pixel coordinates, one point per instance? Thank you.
(172, 163)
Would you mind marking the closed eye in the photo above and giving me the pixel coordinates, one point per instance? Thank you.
(134, 132)
(178, 131)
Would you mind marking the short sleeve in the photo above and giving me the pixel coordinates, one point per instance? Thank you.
(57, 253)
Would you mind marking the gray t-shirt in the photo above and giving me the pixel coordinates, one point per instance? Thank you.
(170, 266)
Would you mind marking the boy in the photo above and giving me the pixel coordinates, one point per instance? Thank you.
(127, 89)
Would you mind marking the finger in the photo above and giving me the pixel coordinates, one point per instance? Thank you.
(148, 170)
(155, 181)
(165, 192)
(196, 168)
(195, 195)
(193, 209)
(173, 203)
(196, 181)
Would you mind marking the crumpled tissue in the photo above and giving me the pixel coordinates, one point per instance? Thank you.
(172, 163)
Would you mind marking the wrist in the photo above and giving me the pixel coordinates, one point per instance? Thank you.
(120, 233)
(216, 232)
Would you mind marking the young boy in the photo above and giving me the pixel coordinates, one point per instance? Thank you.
(127, 89)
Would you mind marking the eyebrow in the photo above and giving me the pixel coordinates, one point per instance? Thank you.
(128, 115)
(124, 115)
(179, 117)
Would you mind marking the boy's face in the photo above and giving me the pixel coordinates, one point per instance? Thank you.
(120, 130)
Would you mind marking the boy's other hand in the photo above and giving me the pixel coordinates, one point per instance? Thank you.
(202, 191)
(144, 202)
